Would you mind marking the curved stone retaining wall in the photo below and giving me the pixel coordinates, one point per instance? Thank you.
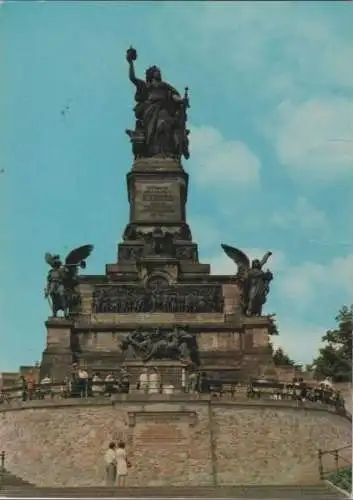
(170, 443)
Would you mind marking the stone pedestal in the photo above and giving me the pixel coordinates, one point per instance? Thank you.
(157, 191)
(157, 282)
(58, 355)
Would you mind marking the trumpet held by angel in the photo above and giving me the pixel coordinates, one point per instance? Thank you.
(255, 282)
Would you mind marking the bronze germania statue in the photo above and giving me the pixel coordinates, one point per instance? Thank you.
(62, 280)
(254, 282)
(160, 115)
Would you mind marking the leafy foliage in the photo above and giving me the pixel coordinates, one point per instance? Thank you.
(342, 478)
(335, 358)
(280, 358)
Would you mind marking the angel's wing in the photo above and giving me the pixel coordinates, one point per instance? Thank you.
(49, 259)
(78, 255)
(238, 257)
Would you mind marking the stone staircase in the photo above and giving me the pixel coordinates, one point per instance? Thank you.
(9, 481)
(321, 491)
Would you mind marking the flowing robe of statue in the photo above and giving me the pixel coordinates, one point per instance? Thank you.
(259, 282)
(56, 289)
(159, 118)
(160, 113)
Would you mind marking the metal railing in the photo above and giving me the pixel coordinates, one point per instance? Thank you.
(338, 460)
(213, 388)
(2, 469)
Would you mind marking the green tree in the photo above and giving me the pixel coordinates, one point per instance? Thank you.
(335, 358)
(280, 358)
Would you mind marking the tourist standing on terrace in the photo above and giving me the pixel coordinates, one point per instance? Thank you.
(66, 388)
(74, 390)
(83, 382)
(193, 382)
(30, 385)
(154, 386)
(124, 382)
(97, 387)
(143, 382)
(24, 389)
(45, 387)
(109, 384)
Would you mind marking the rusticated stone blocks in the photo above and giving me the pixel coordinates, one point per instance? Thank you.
(232, 299)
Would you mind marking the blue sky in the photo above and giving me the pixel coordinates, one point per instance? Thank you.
(271, 90)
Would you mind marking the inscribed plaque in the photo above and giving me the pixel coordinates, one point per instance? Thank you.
(157, 202)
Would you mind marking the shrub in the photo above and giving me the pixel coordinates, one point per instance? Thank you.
(342, 478)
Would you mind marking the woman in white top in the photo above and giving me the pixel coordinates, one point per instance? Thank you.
(154, 382)
(97, 385)
(122, 464)
(144, 381)
(110, 465)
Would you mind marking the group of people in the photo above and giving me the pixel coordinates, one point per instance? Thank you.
(149, 381)
(79, 384)
(299, 390)
(116, 464)
(192, 381)
(26, 389)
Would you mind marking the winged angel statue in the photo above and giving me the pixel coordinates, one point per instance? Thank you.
(255, 281)
(62, 279)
